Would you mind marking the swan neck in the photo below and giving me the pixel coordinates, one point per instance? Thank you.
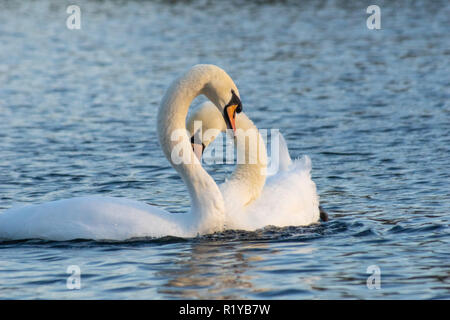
(250, 170)
(206, 200)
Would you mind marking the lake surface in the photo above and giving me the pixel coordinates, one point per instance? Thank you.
(370, 107)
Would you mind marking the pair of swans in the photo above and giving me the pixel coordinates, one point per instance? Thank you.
(246, 201)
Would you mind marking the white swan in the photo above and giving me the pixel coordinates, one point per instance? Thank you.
(98, 217)
(286, 198)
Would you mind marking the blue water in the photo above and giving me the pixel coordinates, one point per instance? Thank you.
(370, 107)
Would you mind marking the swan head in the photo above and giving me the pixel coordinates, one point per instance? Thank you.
(202, 79)
(204, 125)
(222, 92)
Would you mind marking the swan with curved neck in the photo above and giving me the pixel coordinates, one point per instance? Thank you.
(98, 217)
(252, 199)
(214, 83)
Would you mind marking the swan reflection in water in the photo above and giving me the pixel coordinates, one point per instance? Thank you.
(224, 270)
(220, 269)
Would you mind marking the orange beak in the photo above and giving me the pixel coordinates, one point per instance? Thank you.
(230, 116)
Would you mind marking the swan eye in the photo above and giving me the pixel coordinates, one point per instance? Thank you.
(235, 101)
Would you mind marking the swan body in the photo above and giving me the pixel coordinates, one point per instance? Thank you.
(92, 217)
(96, 217)
(253, 199)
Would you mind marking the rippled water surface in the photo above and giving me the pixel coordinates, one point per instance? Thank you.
(370, 107)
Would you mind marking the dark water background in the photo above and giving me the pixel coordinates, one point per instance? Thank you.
(370, 107)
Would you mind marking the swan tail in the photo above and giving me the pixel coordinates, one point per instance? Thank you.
(323, 214)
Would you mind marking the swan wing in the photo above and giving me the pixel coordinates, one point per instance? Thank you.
(289, 198)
